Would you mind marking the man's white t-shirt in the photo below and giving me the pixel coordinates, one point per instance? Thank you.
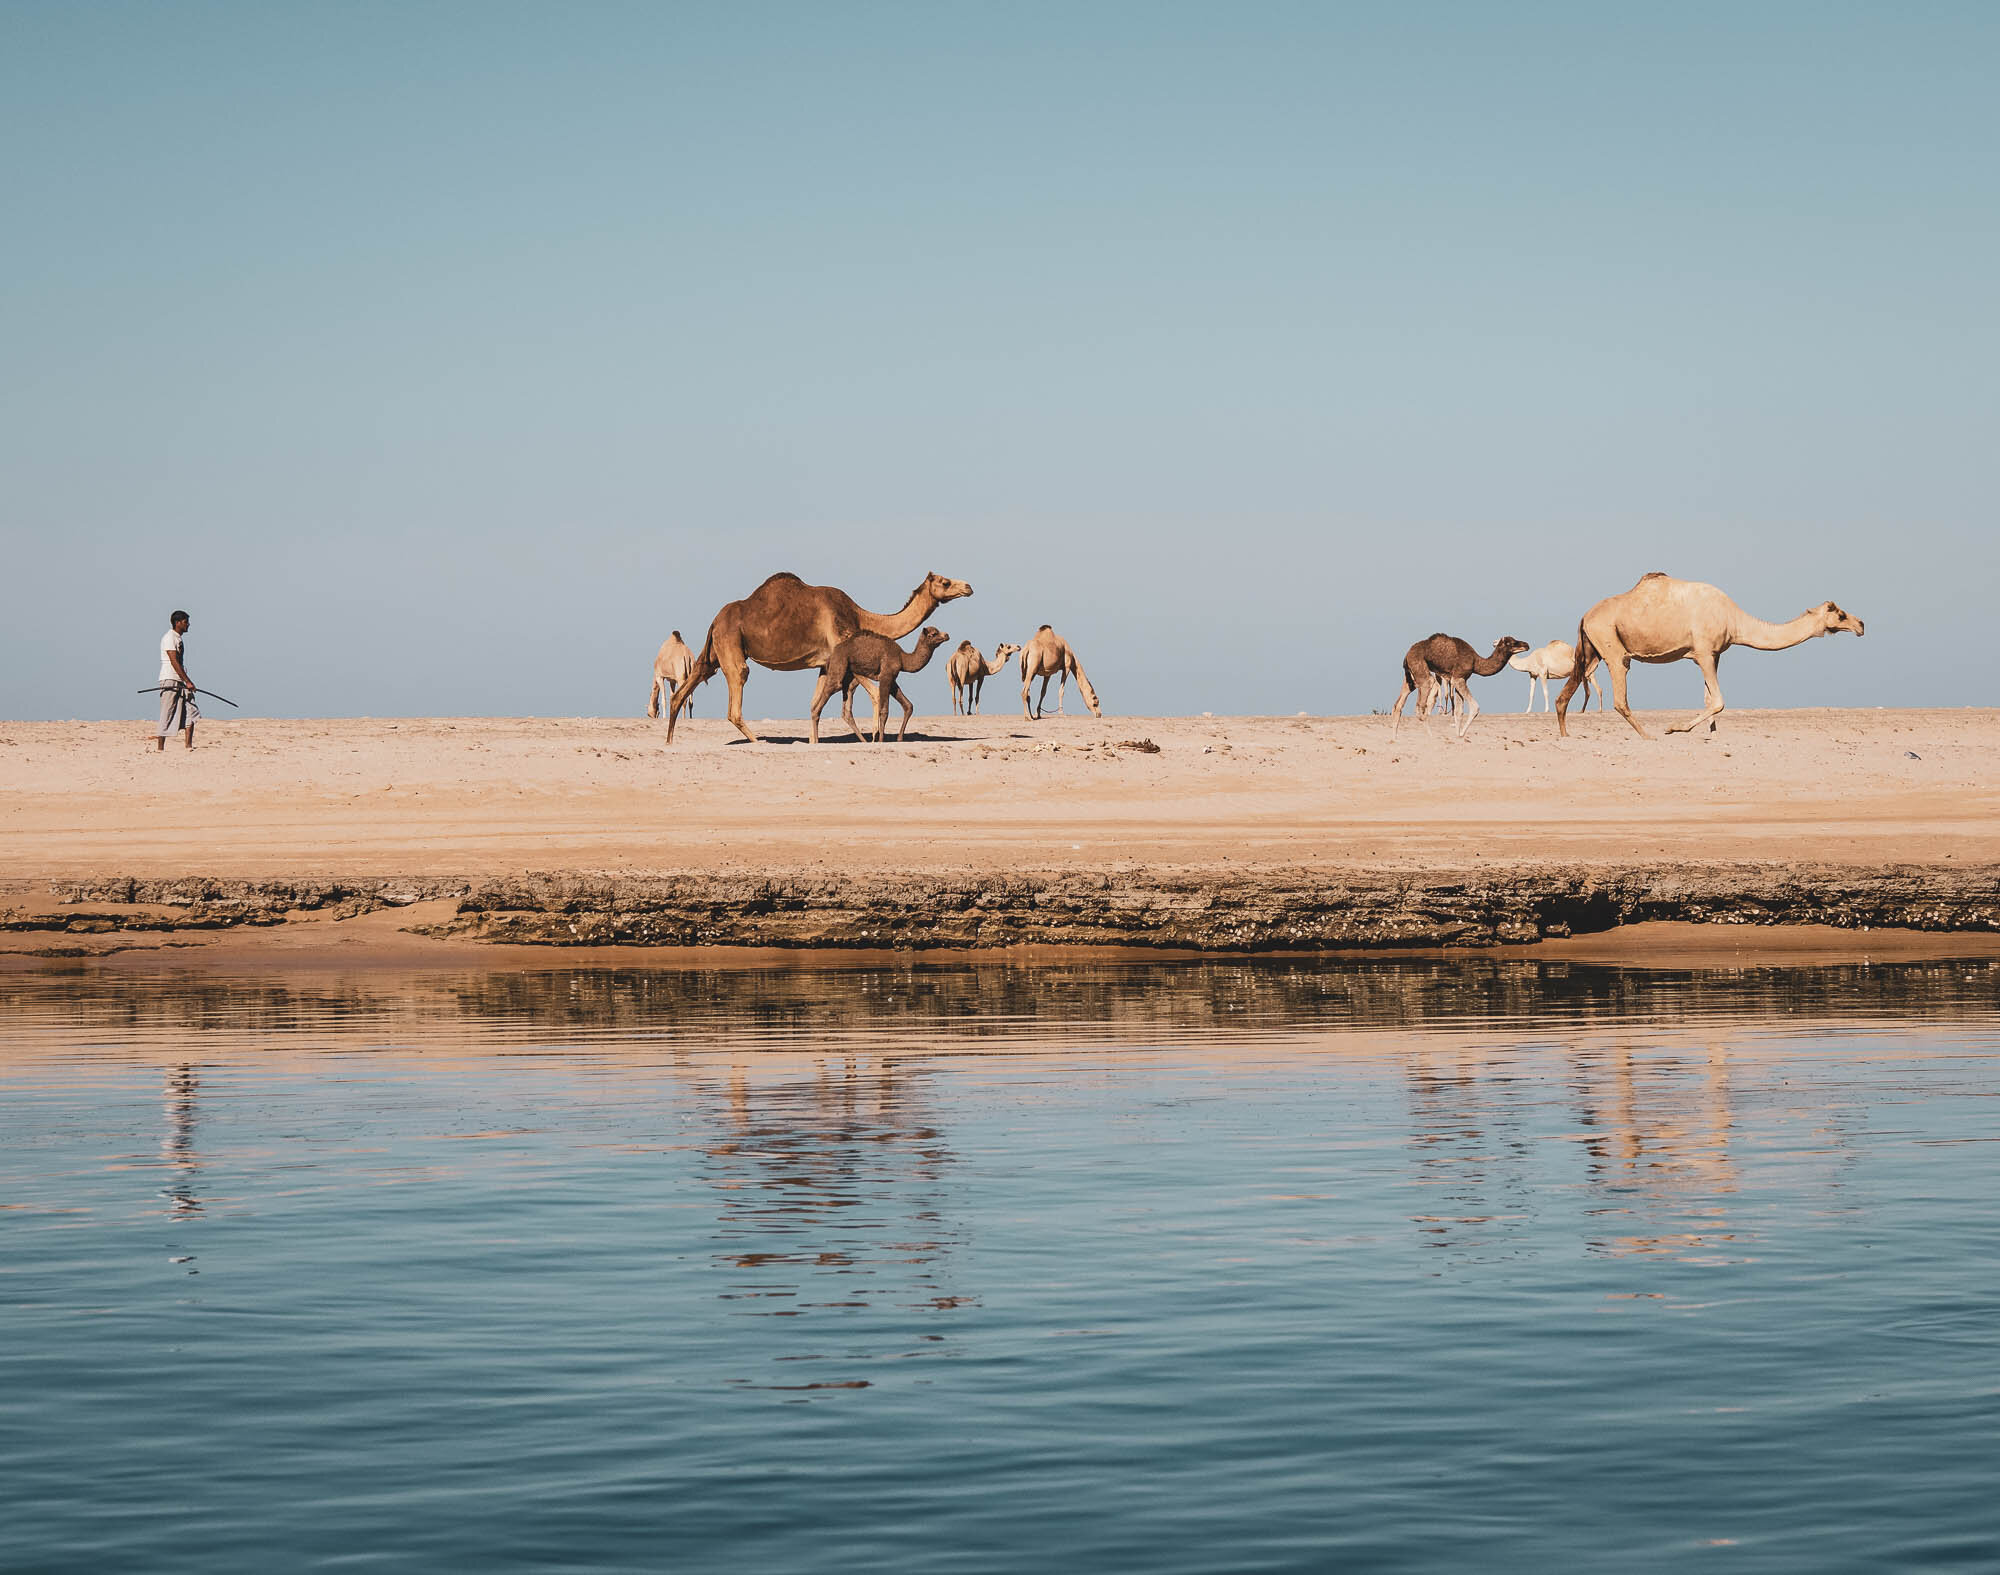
(170, 647)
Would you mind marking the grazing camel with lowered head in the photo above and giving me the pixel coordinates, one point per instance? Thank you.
(1662, 620)
(968, 672)
(1048, 656)
(788, 625)
(1446, 659)
(879, 662)
(1553, 660)
(669, 668)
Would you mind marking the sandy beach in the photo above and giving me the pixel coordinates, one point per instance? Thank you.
(427, 811)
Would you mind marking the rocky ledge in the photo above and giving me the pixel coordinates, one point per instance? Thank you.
(1226, 909)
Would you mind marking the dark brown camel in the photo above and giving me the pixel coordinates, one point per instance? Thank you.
(878, 662)
(1445, 659)
(787, 625)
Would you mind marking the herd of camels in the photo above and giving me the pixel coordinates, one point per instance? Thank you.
(788, 626)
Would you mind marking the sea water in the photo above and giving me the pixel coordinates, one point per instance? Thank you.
(1460, 1265)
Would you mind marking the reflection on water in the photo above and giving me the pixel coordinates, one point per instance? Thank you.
(1405, 1265)
(177, 1146)
(823, 1184)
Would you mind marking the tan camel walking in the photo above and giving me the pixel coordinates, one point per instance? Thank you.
(1553, 660)
(788, 625)
(872, 659)
(673, 664)
(1662, 620)
(1444, 659)
(968, 672)
(1048, 656)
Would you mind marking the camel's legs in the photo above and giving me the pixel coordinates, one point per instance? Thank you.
(1712, 690)
(902, 700)
(1621, 672)
(1531, 695)
(1396, 711)
(735, 676)
(847, 706)
(1042, 699)
(1468, 707)
(821, 694)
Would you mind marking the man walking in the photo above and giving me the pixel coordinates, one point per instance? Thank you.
(177, 712)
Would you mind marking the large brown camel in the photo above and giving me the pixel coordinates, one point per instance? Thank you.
(1048, 656)
(1444, 659)
(878, 662)
(669, 668)
(1662, 619)
(968, 672)
(787, 625)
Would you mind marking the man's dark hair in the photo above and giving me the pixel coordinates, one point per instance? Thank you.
(178, 616)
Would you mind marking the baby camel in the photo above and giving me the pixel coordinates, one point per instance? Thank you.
(968, 671)
(878, 661)
(1553, 660)
(1048, 656)
(1444, 659)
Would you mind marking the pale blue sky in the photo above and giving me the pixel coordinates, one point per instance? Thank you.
(440, 358)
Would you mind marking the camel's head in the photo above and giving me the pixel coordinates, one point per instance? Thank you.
(1510, 645)
(932, 637)
(1007, 649)
(944, 589)
(1834, 621)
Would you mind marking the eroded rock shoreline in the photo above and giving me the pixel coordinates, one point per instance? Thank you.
(1206, 909)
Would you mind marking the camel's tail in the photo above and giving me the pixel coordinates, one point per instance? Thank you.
(1586, 658)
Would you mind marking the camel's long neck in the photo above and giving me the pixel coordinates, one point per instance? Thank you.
(1487, 666)
(1762, 636)
(997, 664)
(895, 625)
(918, 660)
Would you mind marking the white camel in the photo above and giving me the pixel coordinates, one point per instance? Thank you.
(1554, 660)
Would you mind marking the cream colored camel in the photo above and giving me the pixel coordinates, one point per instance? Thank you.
(1048, 656)
(669, 668)
(968, 671)
(1662, 619)
(1553, 660)
(788, 625)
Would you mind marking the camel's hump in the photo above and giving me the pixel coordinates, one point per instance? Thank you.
(1657, 574)
(784, 574)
